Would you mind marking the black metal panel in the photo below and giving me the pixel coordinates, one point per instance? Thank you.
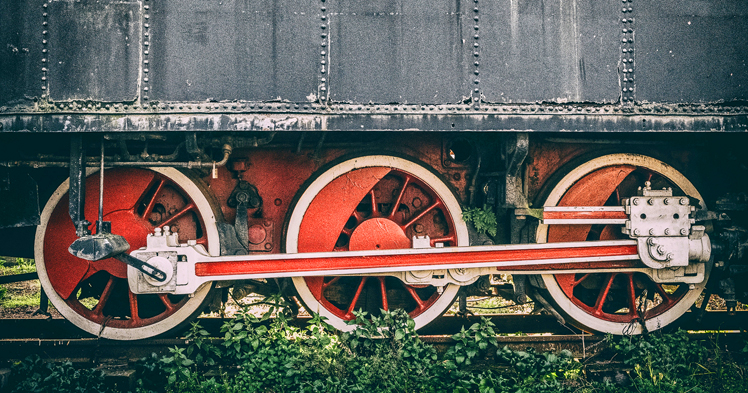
(691, 50)
(548, 50)
(94, 50)
(405, 51)
(234, 50)
(20, 50)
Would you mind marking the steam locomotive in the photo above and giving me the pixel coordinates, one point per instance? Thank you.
(374, 155)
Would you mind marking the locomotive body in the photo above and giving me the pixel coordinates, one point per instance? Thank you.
(244, 131)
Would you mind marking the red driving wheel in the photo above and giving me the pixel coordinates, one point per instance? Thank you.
(95, 295)
(369, 203)
(614, 302)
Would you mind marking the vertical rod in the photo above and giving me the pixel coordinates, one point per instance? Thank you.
(101, 185)
(77, 186)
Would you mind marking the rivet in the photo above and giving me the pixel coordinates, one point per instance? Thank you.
(476, 27)
(323, 17)
(145, 61)
(146, 16)
(323, 9)
(44, 78)
(475, 10)
(145, 70)
(623, 10)
(146, 43)
(323, 35)
(683, 231)
(635, 201)
(44, 60)
(667, 231)
(44, 23)
(323, 62)
(44, 50)
(323, 53)
(44, 87)
(624, 20)
(323, 27)
(145, 7)
(476, 45)
(475, 18)
(44, 42)
(45, 5)
(625, 61)
(145, 79)
(476, 64)
(145, 88)
(683, 201)
(44, 69)
(44, 15)
(666, 201)
(631, 9)
(146, 25)
(477, 90)
(476, 54)
(476, 81)
(145, 52)
(476, 72)
(636, 232)
(476, 36)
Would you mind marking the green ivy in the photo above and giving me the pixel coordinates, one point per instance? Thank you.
(483, 219)
(257, 353)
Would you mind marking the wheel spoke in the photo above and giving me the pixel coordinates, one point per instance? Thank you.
(666, 298)
(167, 303)
(598, 309)
(633, 310)
(352, 306)
(152, 202)
(445, 239)
(399, 199)
(421, 214)
(178, 214)
(327, 284)
(347, 231)
(576, 282)
(374, 209)
(414, 295)
(99, 308)
(133, 306)
(383, 288)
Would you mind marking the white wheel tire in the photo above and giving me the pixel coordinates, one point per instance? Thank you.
(560, 298)
(450, 202)
(193, 304)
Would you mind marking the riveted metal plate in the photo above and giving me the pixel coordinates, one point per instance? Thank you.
(563, 51)
(93, 50)
(397, 51)
(692, 51)
(20, 51)
(233, 50)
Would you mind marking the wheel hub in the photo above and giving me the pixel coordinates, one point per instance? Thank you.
(378, 234)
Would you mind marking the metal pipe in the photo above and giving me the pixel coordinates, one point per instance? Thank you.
(227, 150)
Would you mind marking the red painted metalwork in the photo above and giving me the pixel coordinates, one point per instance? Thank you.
(584, 215)
(135, 201)
(367, 209)
(610, 296)
(466, 259)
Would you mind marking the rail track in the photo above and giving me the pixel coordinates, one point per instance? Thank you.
(57, 339)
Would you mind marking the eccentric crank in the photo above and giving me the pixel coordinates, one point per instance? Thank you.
(663, 245)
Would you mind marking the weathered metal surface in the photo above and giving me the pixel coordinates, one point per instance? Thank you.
(550, 50)
(20, 51)
(232, 49)
(387, 51)
(93, 49)
(691, 51)
(374, 118)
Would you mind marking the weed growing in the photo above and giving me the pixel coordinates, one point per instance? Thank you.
(384, 354)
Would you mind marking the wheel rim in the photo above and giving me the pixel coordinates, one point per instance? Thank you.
(617, 303)
(95, 295)
(352, 207)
